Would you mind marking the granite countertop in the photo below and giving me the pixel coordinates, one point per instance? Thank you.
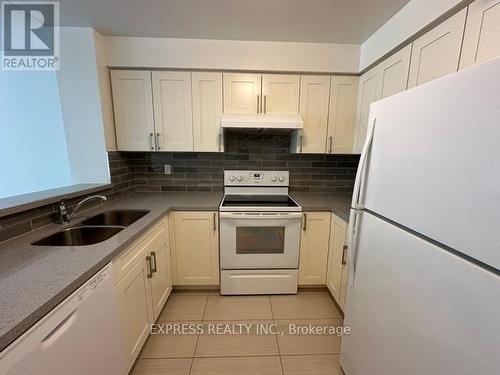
(35, 279)
(338, 203)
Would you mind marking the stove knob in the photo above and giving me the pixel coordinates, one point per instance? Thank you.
(274, 178)
(239, 178)
(232, 178)
(282, 178)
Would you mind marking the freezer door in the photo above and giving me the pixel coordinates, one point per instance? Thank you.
(434, 162)
(417, 309)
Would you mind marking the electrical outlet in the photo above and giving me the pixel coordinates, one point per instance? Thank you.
(167, 169)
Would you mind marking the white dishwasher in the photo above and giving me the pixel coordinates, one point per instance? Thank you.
(79, 337)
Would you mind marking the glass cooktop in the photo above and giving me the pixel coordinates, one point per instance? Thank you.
(258, 201)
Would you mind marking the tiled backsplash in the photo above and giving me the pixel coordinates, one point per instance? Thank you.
(192, 171)
(22, 222)
(258, 150)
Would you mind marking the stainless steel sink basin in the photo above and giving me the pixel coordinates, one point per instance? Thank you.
(116, 217)
(79, 236)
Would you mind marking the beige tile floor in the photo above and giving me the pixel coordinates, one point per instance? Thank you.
(205, 353)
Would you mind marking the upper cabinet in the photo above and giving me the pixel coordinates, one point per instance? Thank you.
(256, 93)
(437, 52)
(393, 73)
(207, 111)
(342, 114)
(314, 102)
(387, 78)
(133, 107)
(172, 111)
(482, 33)
(167, 110)
(280, 93)
(242, 93)
(367, 94)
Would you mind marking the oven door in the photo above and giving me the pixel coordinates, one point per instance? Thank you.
(255, 240)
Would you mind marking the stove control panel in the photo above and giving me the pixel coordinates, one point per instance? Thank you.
(252, 178)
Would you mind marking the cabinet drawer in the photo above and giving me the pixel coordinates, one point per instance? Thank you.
(132, 254)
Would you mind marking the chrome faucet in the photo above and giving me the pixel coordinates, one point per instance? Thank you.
(64, 217)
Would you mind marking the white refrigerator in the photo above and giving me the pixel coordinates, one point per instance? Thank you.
(424, 232)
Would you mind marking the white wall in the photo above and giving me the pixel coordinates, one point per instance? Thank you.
(413, 17)
(228, 54)
(81, 106)
(33, 153)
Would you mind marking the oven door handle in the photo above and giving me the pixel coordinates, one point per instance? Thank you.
(260, 216)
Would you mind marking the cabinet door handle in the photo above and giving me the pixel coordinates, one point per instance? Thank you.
(157, 141)
(215, 221)
(344, 254)
(301, 143)
(265, 103)
(220, 141)
(258, 103)
(304, 225)
(148, 261)
(331, 144)
(151, 135)
(153, 255)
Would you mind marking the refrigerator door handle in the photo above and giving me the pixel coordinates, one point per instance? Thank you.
(351, 245)
(358, 184)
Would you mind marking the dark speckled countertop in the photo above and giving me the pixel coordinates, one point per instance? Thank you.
(338, 203)
(35, 279)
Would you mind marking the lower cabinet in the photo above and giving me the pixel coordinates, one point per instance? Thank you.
(144, 289)
(195, 247)
(336, 279)
(135, 309)
(161, 277)
(314, 248)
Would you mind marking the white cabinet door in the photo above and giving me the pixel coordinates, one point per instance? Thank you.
(196, 247)
(437, 52)
(135, 312)
(242, 92)
(133, 108)
(344, 286)
(207, 111)
(393, 73)
(173, 110)
(336, 257)
(314, 102)
(161, 280)
(280, 93)
(367, 94)
(342, 114)
(314, 248)
(482, 33)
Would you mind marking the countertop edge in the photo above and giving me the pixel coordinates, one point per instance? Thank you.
(24, 325)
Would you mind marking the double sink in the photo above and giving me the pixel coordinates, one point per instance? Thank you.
(93, 230)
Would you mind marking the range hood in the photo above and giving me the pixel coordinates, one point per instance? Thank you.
(261, 121)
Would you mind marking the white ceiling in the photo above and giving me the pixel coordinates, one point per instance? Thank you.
(325, 21)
